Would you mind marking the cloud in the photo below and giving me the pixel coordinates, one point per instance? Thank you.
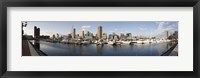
(83, 28)
(166, 26)
(50, 33)
(142, 29)
(160, 26)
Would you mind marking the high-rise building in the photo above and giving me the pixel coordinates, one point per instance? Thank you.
(74, 33)
(116, 37)
(57, 35)
(110, 36)
(175, 33)
(122, 36)
(104, 36)
(69, 36)
(99, 34)
(36, 33)
(77, 36)
(167, 34)
(129, 36)
(54, 37)
(89, 35)
(82, 34)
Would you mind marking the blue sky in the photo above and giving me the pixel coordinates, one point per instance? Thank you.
(146, 28)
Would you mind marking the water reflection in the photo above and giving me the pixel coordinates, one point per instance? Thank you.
(59, 49)
(99, 49)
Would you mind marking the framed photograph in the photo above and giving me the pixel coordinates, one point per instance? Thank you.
(74, 38)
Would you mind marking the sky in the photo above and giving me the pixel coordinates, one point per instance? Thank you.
(137, 28)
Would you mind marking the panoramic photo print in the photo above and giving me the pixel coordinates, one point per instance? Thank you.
(99, 38)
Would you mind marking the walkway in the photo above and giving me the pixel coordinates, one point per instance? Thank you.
(28, 49)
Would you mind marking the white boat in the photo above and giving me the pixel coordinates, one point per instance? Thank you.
(105, 42)
(158, 41)
(65, 41)
(77, 42)
(111, 42)
(96, 42)
(100, 42)
(126, 42)
(168, 40)
(139, 42)
(85, 42)
(145, 42)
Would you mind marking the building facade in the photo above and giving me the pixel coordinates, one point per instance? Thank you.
(167, 34)
(36, 33)
(74, 33)
(99, 33)
(104, 36)
(82, 34)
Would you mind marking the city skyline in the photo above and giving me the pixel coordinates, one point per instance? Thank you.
(145, 28)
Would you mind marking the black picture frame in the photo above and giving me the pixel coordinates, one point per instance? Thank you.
(98, 3)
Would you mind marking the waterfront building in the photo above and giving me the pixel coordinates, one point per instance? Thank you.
(88, 35)
(175, 34)
(96, 36)
(36, 33)
(116, 37)
(77, 36)
(54, 37)
(167, 34)
(99, 33)
(110, 36)
(69, 36)
(44, 37)
(122, 36)
(28, 37)
(141, 37)
(74, 33)
(57, 35)
(104, 36)
(82, 34)
(129, 36)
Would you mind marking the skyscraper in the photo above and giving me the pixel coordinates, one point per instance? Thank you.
(54, 37)
(104, 36)
(99, 34)
(82, 34)
(129, 36)
(36, 33)
(167, 34)
(74, 33)
(57, 35)
(122, 36)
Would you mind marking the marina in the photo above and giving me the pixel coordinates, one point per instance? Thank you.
(137, 49)
(109, 39)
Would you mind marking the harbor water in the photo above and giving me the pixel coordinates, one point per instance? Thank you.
(150, 49)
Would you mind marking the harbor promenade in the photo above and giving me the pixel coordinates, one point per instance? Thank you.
(28, 49)
(25, 48)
